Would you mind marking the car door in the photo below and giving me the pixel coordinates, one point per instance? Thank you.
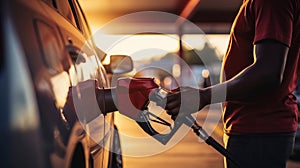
(51, 70)
(87, 75)
(109, 117)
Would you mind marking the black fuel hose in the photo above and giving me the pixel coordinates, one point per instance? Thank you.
(201, 133)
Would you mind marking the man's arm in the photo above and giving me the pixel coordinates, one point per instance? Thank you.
(264, 75)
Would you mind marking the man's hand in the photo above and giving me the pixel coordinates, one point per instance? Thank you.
(185, 101)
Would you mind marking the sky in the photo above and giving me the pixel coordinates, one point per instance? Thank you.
(146, 46)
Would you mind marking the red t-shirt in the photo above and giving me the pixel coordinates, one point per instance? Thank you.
(258, 20)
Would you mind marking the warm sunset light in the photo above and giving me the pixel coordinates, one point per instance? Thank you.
(176, 70)
(205, 73)
(149, 83)
(137, 46)
(218, 41)
(141, 47)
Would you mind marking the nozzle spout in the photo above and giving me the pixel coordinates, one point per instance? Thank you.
(106, 99)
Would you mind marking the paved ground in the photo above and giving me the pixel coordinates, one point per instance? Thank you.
(188, 153)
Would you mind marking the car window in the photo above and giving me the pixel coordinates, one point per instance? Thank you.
(82, 22)
(64, 9)
(76, 17)
(50, 47)
(80, 19)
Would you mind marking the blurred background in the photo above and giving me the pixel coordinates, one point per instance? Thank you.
(180, 43)
(160, 33)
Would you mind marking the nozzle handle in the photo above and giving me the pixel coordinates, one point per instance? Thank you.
(158, 95)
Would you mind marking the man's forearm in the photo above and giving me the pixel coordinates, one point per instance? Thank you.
(263, 76)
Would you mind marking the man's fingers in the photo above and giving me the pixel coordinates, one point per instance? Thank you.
(173, 111)
(173, 117)
(172, 97)
(186, 100)
(172, 105)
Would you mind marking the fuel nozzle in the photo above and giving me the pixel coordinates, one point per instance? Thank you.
(159, 95)
(134, 95)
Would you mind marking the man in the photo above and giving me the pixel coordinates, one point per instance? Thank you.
(259, 76)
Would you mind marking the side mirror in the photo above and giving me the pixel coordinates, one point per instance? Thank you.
(119, 64)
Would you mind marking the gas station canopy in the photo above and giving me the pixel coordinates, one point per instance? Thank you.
(213, 16)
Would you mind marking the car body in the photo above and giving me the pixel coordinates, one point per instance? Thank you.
(48, 61)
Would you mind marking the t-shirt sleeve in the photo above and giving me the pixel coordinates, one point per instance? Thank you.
(273, 20)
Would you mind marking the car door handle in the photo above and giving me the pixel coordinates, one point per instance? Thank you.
(76, 54)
